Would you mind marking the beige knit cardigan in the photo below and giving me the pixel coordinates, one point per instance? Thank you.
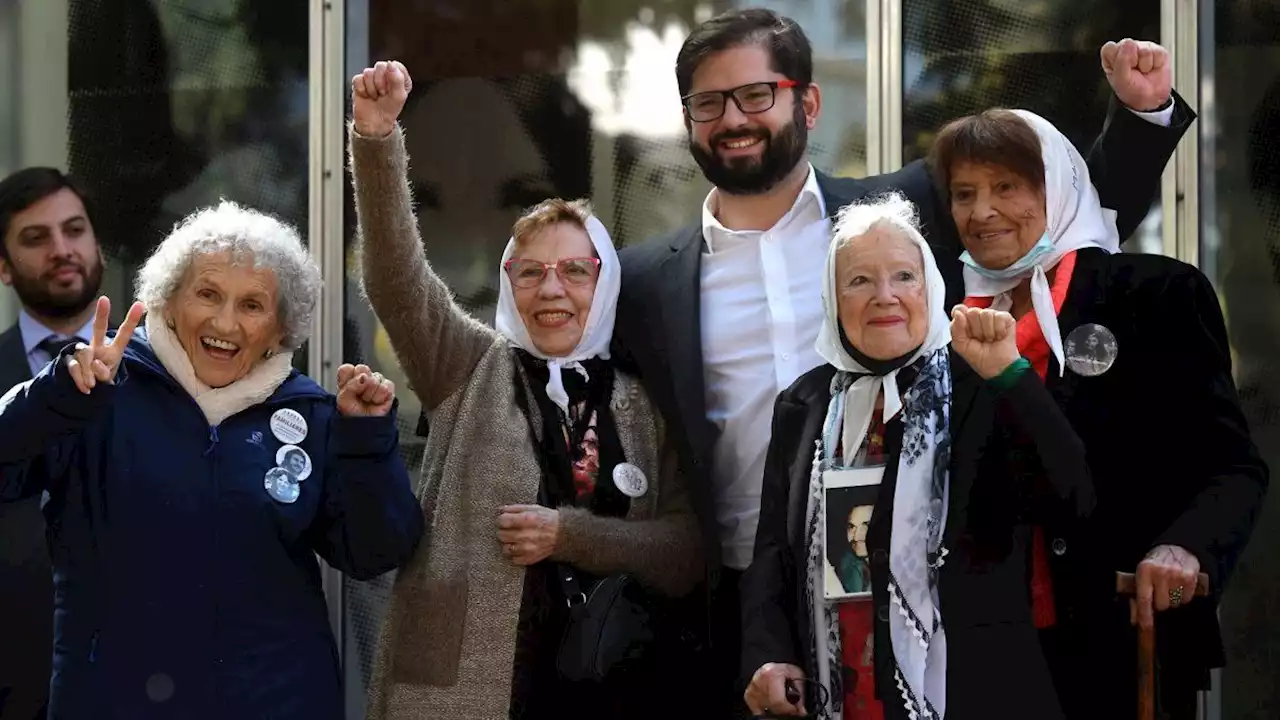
(447, 645)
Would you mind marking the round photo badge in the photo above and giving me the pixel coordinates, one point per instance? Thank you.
(281, 486)
(630, 480)
(295, 461)
(1090, 350)
(288, 426)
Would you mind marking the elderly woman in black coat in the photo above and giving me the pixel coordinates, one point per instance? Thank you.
(921, 435)
(1134, 350)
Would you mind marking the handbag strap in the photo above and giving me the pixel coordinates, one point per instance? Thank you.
(573, 594)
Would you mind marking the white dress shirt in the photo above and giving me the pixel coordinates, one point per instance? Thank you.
(761, 311)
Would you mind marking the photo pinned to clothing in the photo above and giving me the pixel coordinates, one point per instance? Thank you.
(295, 461)
(1091, 350)
(281, 486)
(849, 497)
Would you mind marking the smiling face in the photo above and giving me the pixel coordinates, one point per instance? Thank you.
(295, 463)
(749, 153)
(880, 287)
(226, 316)
(555, 311)
(999, 213)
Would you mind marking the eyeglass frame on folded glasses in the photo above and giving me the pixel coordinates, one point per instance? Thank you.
(731, 93)
(594, 262)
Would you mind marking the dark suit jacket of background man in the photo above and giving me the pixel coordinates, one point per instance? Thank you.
(658, 331)
(26, 575)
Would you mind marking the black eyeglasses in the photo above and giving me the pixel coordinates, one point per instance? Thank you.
(750, 99)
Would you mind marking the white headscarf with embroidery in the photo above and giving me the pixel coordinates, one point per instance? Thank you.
(1075, 219)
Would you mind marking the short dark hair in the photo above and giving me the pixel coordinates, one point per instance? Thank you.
(996, 137)
(29, 186)
(789, 51)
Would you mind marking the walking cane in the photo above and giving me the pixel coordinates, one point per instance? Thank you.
(1127, 585)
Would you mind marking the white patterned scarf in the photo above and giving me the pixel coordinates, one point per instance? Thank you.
(916, 630)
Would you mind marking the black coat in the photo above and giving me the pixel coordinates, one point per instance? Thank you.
(26, 578)
(1173, 463)
(995, 667)
(658, 331)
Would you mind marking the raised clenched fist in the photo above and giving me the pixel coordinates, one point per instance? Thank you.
(377, 97)
(1140, 73)
(987, 339)
(364, 393)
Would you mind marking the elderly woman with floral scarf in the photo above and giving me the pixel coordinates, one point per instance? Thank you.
(920, 433)
(1134, 350)
(541, 457)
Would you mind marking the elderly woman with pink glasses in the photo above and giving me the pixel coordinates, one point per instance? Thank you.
(549, 491)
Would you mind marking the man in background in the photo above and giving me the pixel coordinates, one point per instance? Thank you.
(49, 255)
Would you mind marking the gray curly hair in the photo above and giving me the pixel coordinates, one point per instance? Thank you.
(259, 240)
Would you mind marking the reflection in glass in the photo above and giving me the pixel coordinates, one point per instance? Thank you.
(1240, 251)
(966, 56)
(176, 105)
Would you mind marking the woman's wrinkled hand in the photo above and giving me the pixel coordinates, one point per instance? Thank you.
(767, 693)
(364, 393)
(378, 95)
(528, 532)
(99, 361)
(987, 339)
(1166, 578)
(1140, 73)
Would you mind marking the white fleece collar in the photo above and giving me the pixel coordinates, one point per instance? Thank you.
(218, 404)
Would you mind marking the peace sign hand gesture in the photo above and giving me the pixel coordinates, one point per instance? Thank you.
(100, 359)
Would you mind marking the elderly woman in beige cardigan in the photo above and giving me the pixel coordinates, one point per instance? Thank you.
(474, 620)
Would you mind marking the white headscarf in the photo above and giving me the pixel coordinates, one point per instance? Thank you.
(919, 514)
(1075, 219)
(855, 220)
(599, 330)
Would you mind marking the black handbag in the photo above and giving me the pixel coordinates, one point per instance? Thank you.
(610, 628)
(611, 625)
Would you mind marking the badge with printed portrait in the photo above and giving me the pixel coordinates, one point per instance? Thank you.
(1090, 350)
(295, 461)
(281, 486)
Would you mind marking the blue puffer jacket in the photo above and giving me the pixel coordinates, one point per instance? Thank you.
(183, 589)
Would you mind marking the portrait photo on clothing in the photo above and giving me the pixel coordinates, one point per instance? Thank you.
(281, 485)
(849, 496)
(295, 461)
(1090, 350)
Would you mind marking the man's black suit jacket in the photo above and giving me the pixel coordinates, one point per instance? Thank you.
(26, 578)
(658, 331)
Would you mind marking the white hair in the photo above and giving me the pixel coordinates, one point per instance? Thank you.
(253, 238)
(891, 211)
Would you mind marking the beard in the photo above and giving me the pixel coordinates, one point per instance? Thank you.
(40, 296)
(748, 175)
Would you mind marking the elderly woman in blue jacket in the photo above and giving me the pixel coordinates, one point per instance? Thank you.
(194, 476)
